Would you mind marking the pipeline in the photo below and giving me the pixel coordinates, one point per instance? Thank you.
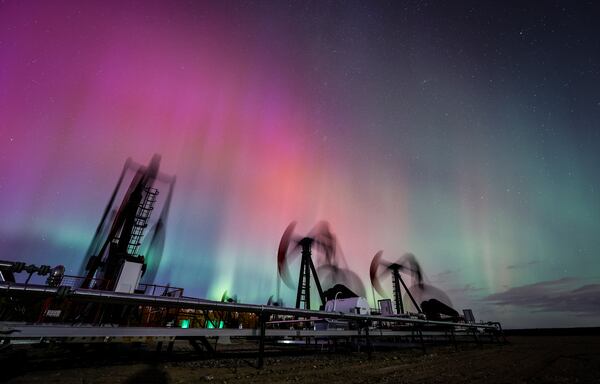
(110, 297)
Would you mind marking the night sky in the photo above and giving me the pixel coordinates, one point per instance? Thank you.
(466, 133)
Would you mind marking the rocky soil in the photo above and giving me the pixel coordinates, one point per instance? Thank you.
(526, 359)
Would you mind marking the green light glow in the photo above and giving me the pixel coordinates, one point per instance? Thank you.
(209, 324)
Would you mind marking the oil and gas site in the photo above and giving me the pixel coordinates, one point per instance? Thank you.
(299, 191)
(115, 300)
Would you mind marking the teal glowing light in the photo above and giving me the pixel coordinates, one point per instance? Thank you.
(185, 323)
(210, 324)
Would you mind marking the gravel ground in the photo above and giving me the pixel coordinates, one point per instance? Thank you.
(526, 359)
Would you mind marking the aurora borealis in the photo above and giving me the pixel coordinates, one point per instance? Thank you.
(466, 134)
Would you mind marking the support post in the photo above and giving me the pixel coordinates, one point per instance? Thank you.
(368, 340)
(397, 292)
(317, 282)
(300, 280)
(475, 336)
(421, 339)
(409, 295)
(261, 341)
(453, 336)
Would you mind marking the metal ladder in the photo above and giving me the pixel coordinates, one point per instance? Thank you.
(141, 220)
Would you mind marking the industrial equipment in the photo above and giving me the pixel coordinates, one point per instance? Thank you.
(319, 236)
(115, 299)
(113, 261)
(408, 264)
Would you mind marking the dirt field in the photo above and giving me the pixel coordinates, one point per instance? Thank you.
(526, 359)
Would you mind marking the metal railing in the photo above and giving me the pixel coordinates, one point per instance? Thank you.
(76, 281)
(110, 297)
(363, 331)
(159, 290)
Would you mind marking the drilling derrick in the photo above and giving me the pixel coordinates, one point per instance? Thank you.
(113, 261)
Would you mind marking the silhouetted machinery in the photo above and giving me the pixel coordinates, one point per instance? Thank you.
(434, 309)
(114, 261)
(9, 268)
(320, 237)
(408, 264)
(123, 258)
(435, 304)
(332, 272)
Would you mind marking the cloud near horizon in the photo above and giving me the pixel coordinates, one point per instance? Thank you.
(523, 265)
(562, 295)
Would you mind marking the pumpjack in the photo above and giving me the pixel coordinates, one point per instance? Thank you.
(320, 237)
(408, 264)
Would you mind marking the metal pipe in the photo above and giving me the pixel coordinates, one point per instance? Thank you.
(6, 264)
(111, 297)
(335, 299)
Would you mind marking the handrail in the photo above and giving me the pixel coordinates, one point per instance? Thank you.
(197, 303)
